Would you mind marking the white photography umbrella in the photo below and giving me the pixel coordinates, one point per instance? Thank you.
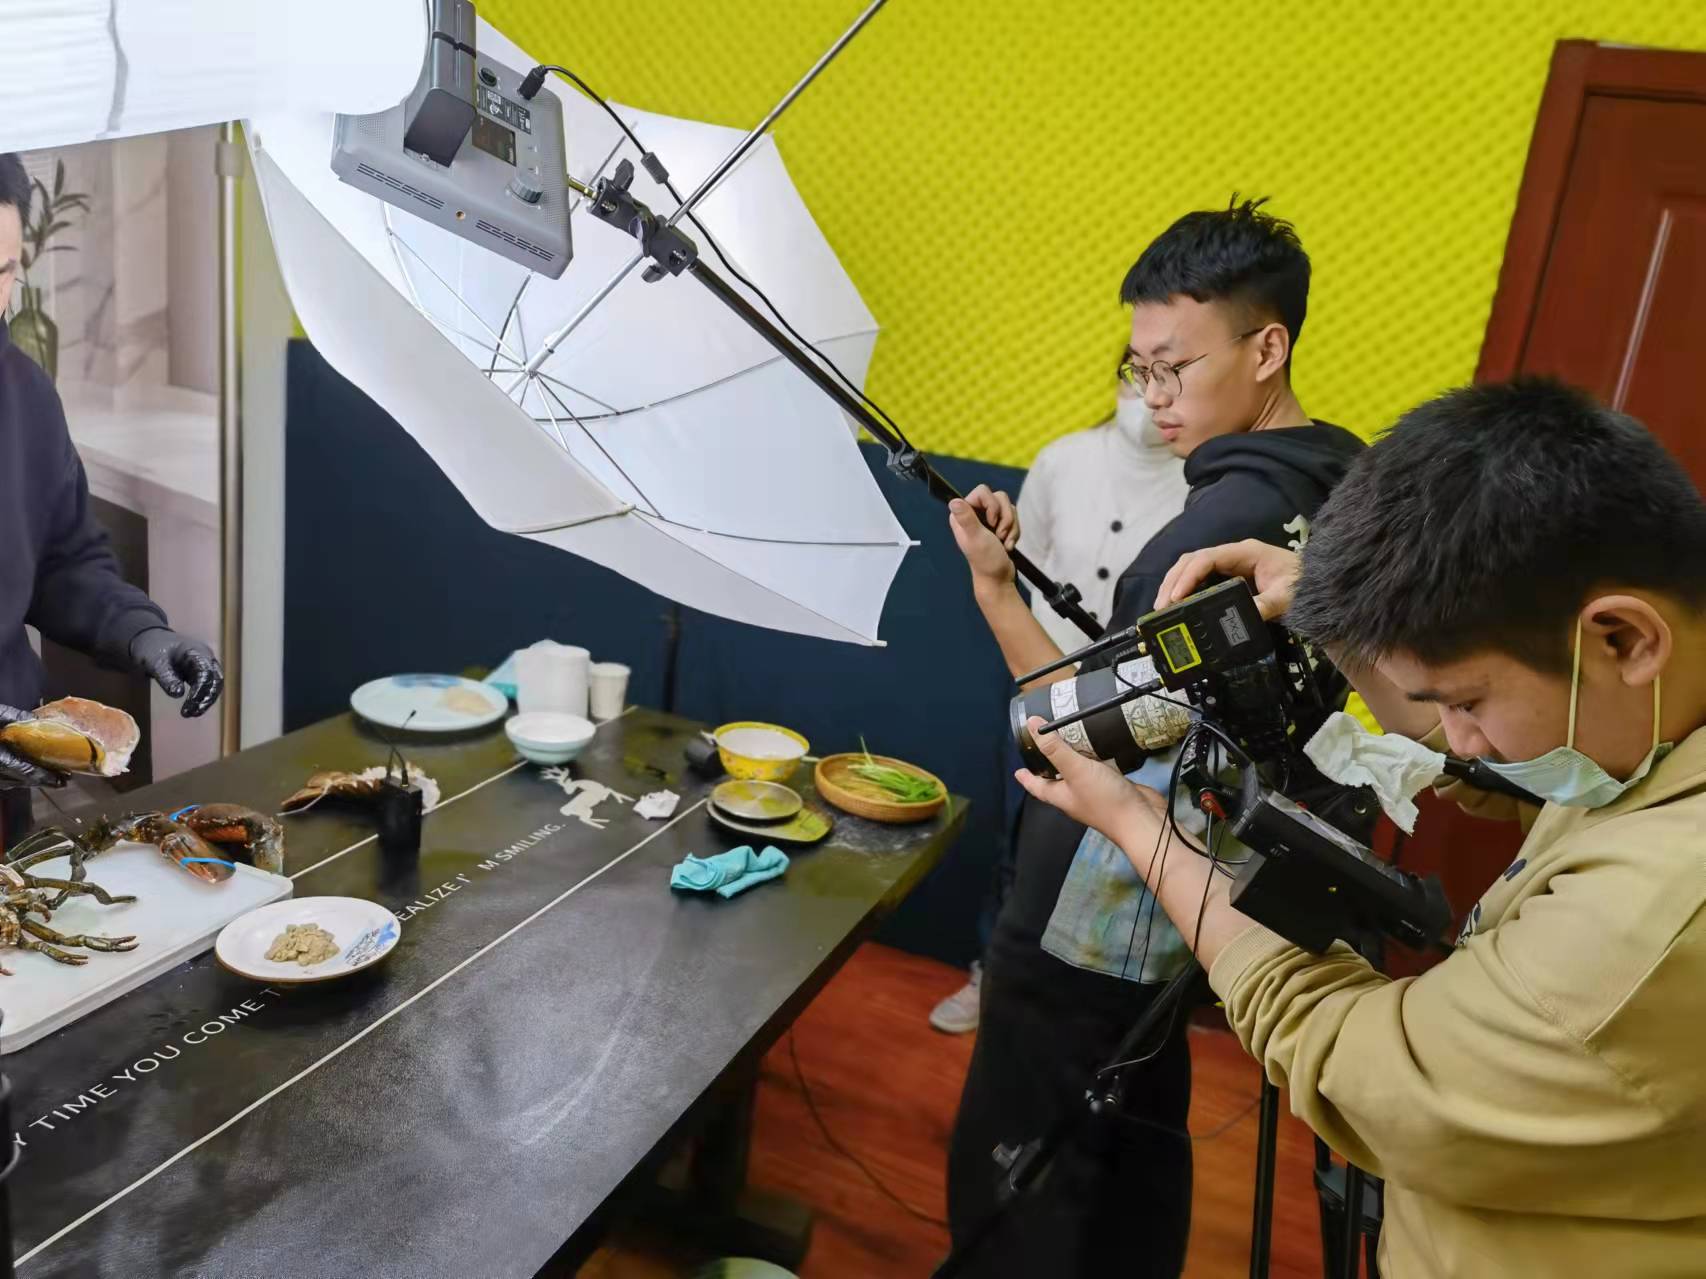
(661, 437)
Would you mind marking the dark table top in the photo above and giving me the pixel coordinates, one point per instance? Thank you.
(552, 1011)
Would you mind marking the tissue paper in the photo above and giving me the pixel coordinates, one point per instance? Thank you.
(1394, 766)
(658, 805)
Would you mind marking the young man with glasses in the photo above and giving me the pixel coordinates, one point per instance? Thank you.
(1218, 301)
(1516, 574)
(1091, 501)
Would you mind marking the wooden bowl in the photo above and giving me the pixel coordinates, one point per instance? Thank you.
(838, 784)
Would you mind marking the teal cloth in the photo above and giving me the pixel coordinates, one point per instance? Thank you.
(728, 873)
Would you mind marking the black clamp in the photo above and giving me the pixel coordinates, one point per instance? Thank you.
(910, 464)
(1064, 597)
(671, 250)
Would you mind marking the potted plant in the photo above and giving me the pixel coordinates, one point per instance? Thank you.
(32, 329)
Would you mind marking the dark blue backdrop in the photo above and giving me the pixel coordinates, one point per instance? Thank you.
(388, 569)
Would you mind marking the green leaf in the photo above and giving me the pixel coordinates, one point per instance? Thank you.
(58, 176)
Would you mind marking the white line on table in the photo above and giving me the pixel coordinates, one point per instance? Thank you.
(446, 804)
(439, 808)
(354, 1039)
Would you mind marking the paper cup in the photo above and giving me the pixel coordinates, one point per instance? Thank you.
(552, 677)
(609, 685)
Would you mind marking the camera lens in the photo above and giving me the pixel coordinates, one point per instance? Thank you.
(488, 77)
(1124, 731)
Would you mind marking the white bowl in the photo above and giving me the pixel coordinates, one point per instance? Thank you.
(549, 737)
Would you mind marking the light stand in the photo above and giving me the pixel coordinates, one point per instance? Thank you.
(1025, 1166)
(672, 252)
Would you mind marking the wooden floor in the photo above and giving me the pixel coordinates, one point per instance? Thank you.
(886, 1085)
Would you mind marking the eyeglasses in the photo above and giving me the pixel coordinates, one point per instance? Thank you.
(1167, 375)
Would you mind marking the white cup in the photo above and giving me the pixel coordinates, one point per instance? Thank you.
(609, 685)
(552, 677)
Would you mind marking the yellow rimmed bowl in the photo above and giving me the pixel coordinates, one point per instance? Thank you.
(757, 752)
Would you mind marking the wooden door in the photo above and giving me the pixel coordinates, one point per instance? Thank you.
(1604, 281)
(1603, 286)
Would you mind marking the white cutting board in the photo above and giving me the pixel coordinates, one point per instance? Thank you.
(175, 916)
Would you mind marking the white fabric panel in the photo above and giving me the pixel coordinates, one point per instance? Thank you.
(700, 574)
(513, 476)
(468, 295)
(181, 63)
(766, 512)
(764, 455)
(58, 83)
(756, 216)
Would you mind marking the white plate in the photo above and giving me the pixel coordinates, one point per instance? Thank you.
(365, 933)
(429, 703)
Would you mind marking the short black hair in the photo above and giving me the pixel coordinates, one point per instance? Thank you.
(1238, 254)
(15, 184)
(1484, 521)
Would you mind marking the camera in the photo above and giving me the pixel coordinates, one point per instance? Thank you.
(1257, 681)
(1247, 695)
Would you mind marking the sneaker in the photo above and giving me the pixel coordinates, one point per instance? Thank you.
(957, 1014)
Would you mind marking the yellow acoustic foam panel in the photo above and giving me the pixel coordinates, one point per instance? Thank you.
(988, 171)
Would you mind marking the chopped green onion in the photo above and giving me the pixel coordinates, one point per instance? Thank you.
(909, 788)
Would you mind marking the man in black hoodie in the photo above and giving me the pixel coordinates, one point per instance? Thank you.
(1218, 301)
(57, 570)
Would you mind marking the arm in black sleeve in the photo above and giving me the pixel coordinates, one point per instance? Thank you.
(1234, 507)
(80, 599)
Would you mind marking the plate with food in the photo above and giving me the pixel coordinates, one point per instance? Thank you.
(308, 939)
(429, 703)
(879, 788)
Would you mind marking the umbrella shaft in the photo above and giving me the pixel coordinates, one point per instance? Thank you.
(704, 189)
(1062, 597)
(763, 126)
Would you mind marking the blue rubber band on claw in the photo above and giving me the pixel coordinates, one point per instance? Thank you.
(179, 815)
(211, 861)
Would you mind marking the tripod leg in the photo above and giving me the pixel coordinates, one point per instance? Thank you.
(1350, 1246)
(1026, 1167)
(1261, 1227)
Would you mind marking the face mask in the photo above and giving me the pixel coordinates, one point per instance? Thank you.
(1131, 418)
(1563, 774)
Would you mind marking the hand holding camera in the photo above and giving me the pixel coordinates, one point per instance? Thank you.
(1272, 570)
(1092, 792)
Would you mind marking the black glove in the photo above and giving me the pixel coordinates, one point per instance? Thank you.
(177, 664)
(15, 771)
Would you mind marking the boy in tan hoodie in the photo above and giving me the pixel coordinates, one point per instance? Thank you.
(1520, 575)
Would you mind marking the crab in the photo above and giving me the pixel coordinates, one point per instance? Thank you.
(25, 895)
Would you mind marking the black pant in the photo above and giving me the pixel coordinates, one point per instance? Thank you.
(14, 817)
(1118, 1199)
(1001, 878)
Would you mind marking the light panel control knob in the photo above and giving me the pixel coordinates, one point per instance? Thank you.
(525, 187)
